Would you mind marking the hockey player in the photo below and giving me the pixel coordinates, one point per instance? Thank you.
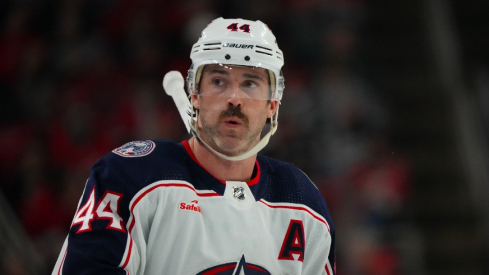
(210, 204)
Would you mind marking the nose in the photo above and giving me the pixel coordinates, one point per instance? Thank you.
(234, 97)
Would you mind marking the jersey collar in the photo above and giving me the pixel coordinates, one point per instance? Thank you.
(250, 182)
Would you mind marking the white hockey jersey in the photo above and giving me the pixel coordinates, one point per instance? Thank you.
(149, 207)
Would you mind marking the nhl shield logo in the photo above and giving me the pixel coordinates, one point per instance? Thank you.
(135, 149)
(238, 193)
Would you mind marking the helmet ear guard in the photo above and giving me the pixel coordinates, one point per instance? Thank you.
(237, 42)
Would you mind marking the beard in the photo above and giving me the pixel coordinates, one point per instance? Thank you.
(230, 141)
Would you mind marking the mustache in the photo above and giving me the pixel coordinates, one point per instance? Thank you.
(234, 111)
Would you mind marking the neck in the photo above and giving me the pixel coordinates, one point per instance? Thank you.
(220, 168)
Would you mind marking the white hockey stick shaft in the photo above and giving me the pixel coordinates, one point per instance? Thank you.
(173, 84)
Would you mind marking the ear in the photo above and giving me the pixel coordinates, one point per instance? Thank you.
(195, 101)
(272, 108)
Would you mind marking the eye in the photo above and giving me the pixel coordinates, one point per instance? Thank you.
(250, 85)
(217, 82)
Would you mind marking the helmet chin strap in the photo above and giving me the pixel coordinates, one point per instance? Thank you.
(258, 147)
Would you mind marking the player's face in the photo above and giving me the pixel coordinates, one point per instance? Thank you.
(233, 107)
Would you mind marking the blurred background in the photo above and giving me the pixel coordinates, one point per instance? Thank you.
(386, 108)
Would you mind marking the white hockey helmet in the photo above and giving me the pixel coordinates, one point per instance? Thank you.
(237, 42)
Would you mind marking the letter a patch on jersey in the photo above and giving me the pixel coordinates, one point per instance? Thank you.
(294, 242)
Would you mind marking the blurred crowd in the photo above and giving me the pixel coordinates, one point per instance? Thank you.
(80, 78)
